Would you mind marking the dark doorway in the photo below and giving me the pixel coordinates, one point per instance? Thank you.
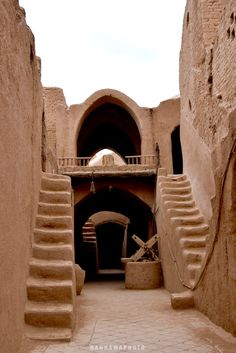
(114, 200)
(110, 238)
(176, 151)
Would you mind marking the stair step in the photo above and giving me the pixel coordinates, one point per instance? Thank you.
(59, 197)
(194, 270)
(92, 235)
(177, 176)
(194, 255)
(88, 240)
(58, 184)
(49, 314)
(88, 227)
(175, 190)
(54, 209)
(174, 184)
(179, 212)
(89, 231)
(198, 229)
(178, 198)
(187, 220)
(172, 177)
(53, 252)
(40, 289)
(193, 241)
(51, 269)
(54, 222)
(90, 245)
(179, 204)
(49, 333)
(53, 236)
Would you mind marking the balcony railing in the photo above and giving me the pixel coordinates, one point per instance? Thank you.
(73, 161)
(140, 160)
(148, 160)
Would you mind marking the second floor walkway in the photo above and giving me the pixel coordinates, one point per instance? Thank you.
(108, 165)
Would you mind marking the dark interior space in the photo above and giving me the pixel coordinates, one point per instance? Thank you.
(110, 237)
(109, 126)
(176, 151)
(115, 200)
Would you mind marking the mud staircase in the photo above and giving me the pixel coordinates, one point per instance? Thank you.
(90, 250)
(50, 309)
(185, 227)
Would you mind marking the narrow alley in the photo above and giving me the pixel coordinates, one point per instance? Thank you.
(114, 319)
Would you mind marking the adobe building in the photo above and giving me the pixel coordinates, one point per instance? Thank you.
(139, 140)
(169, 170)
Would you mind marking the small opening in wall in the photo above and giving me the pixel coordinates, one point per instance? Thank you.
(210, 79)
(219, 96)
(228, 32)
(187, 19)
(233, 33)
(31, 54)
(190, 104)
(214, 129)
(177, 157)
(232, 17)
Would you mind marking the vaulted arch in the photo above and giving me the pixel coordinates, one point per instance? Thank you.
(110, 126)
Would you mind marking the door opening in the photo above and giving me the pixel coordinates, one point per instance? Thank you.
(110, 237)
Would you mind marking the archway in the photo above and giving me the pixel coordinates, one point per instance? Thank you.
(109, 126)
(111, 240)
(119, 201)
(177, 157)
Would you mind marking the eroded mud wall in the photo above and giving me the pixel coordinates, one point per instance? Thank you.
(20, 165)
(208, 122)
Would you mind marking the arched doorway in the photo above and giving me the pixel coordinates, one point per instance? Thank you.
(111, 235)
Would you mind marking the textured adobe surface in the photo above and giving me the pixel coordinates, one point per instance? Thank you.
(20, 136)
(143, 275)
(208, 125)
(151, 323)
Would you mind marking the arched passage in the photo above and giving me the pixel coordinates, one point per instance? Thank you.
(111, 233)
(109, 126)
(105, 217)
(177, 157)
(119, 201)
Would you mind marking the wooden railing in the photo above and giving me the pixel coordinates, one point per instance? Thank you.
(141, 160)
(145, 160)
(73, 161)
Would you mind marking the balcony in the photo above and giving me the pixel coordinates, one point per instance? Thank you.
(108, 165)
